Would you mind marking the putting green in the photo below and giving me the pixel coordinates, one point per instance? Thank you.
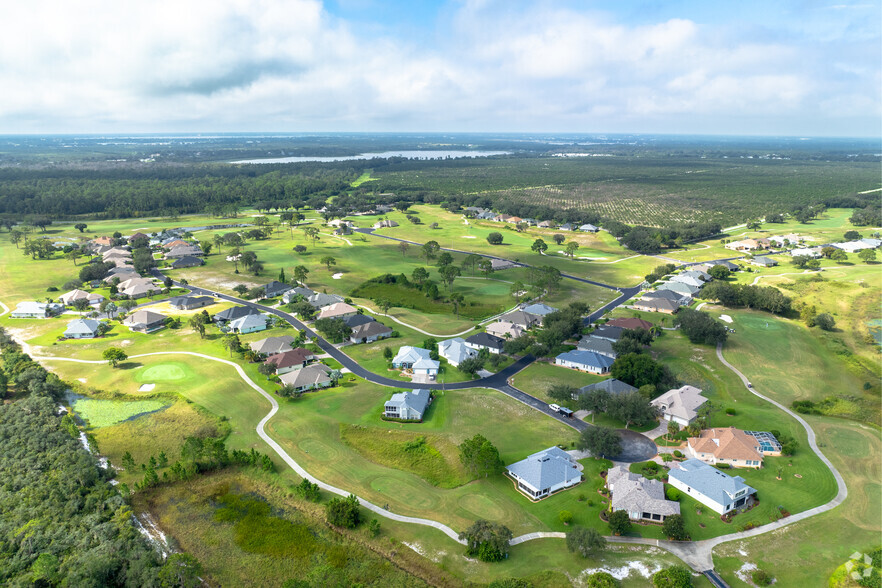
(163, 372)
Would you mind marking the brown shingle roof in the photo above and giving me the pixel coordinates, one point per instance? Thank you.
(291, 358)
(630, 323)
(729, 443)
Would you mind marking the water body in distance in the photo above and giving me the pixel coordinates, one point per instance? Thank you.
(383, 155)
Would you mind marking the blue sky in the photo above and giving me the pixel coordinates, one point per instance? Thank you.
(801, 68)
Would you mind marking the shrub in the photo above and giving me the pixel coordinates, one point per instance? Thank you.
(565, 516)
(619, 523)
(724, 466)
(343, 512)
(666, 457)
(673, 577)
(761, 577)
(672, 493)
(678, 453)
(731, 411)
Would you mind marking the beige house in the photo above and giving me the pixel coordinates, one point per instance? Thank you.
(729, 445)
(505, 329)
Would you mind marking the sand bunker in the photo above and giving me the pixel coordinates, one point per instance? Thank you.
(337, 276)
(146, 387)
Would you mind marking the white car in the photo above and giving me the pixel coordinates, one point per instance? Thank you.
(554, 407)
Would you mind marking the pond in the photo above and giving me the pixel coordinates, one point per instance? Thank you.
(435, 154)
(875, 327)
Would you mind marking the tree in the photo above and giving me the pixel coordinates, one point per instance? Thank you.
(594, 401)
(700, 327)
(672, 577)
(719, 272)
(311, 233)
(539, 246)
(600, 441)
(639, 369)
(565, 516)
(282, 275)
(196, 323)
(387, 353)
(479, 456)
(240, 289)
(81, 305)
(486, 266)
(81, 227)
(430, 250)
(867, 255)
(181, 570)
(420, 275)
(385, 305)
(487, 541)
(300, 273)
(558, 239)
(403, 246)
(267, 369)
(343, 512)
(619, 523)
(562, 393)
(374, 528)
(232, 344)
(601, 580)
(445, 259)
(584, 541)
(839, 255)
(328, 261)
(456, 299)
(825, 321)
(572, 246)
(754, 226)
(334, 329)
(673, 429)
(471, 261)
(674, 528)
(851, 235)
(631, 408)
(114, 355)
(300, 249)
(308, 490)
(448, 274)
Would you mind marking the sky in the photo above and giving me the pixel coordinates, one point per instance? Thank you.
(781, 68)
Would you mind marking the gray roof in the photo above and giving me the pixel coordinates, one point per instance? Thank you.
(767, 261)
(370, 329)
(519, 317)
(679, 287)
(608, 332)
(357, 320)
(89, 326)
(486, 340)
(188, 261)
(190, 301)
(455, 350)
(275, 288)
(320, 299)
(235, 312)
(415, 400)
(658, 304)
(681, 402)
(143, 317)
(305, 292)
(272, 345)
(664, 294)
(611, 385)
(310, 375)
(597, 345)
(634, 493)
(708, 480)
(546, 469)
(588, 358)
(539, 309)
(728, 264)
(248, 321)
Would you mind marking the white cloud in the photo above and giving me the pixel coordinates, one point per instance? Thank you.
(289, 65)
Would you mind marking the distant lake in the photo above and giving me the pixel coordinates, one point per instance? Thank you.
(383, 155)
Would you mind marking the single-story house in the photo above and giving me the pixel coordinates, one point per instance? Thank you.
(745, 245)
(491, 343)
(525, 320)
(385, 223)
(408, 406)
(456, 350)
(566, 227)
(408, 355)
(539, 309)
(873, 243)
(338, 310)
(852, 246)
(726, 264)
(356, 320)
(709, 486)
(275, 288)
(288, 361)
(813, 252)
(676, 297)
(505, 329)
(727, 445)
(184, 251)
(369, 332)
(688, 280)
(82, 329)
(312, 377)
(609, 332)
(293, 293)
(251, 323)
(426, 369)
(338, 222)
(680, 288)
(102, 241)
(320, 299)
(611, 386)
(763, 262)
(589, 228)
(545, 224)
(140, 290)
(656, 305)
(501, 264)
(630, 323)
(586, 361)
(144, 321)
(545, 473)
(171, 244)
(69, 298)
(697, 273)
(190, 302)
(642, 499)
(233, 313)
(272, 345)
(597, 345)
(138, 236)
(187, 261)
(680, 405)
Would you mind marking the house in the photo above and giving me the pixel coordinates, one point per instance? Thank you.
(408, 406)
(137, 236)
(82, 329)
(339, 223)
(585, 361)
(356, 320)
(288, 361)
(727, 445)
(539, 309)
(312, 377)
(275, 288)
(545, 473)
(589, 228)
(171, 244)
(697, 273)
(408, 355)
(233, 313)
(93, 298)
(337, 310)
(31, 309)
(190, 302)
(522, 319)
(746, 245)
(505, 329)
(813, 252)
(140, 289)
(630, 323)
(680, 288)
(425, 369)
(293, 293)
(709, 486)
(688, 280)
(611, 386)
(656, 305)
(763, 262)
(852, 246)
(676, 297)
(320, 299)
(566, 227)
(501, 264)
(144, 321)
(726, 264)
(680, 405)
(272, 345)
(248, 324)
(769, 445)
(369, 332)
(642, 499)
(873, 243)
(611, 333)
(514, 220)
(545, 225)
(597, 345)
(103, 241)
(385, 223)
(187, 261)
(491, 343)
(456, 350)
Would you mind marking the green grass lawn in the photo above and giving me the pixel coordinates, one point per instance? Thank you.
(538, 377)
(103, 413)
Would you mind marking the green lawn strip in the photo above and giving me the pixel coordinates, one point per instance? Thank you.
(103, 412)
(806, 553)
(538, 377)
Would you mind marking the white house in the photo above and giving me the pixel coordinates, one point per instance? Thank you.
(30, 309)
(249, 324)
(586, 361)
(455, 351)
(680, 405)
(544, 473)
(408, 406)
(710, 486)
(82, 329)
